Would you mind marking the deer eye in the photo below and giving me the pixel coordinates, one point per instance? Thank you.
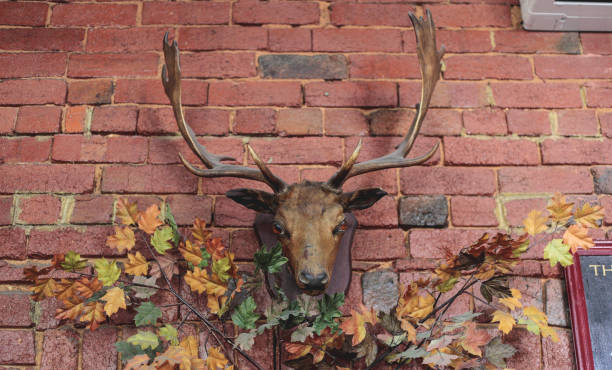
(278, 229)
(340, 228)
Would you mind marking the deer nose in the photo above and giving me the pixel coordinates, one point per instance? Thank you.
(314, 282)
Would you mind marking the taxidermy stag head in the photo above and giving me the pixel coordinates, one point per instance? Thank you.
(309, 217)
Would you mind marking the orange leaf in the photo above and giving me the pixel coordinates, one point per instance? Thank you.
(149, 220)
(127, 211)
(199, 230)
(86, 287)
(474, 338)
(297, 350)
(94, 314)
(215, 359)
(72, 309)
(191, 253)
(137, 265)
(122, 240)
(588, 216)
(215, 248)
(355, 325)
(576, 236)
(44, 288)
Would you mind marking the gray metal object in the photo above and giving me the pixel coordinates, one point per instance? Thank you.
(551, 15)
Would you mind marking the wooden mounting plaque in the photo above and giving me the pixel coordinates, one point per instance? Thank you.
(589, 290)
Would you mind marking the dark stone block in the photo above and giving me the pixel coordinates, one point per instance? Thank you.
(603, 180)
(328, 67)
(423, 211)
(380, 289)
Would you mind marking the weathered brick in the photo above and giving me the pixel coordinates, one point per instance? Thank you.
(230, 213)
(113, 65)
(255, 93)
(114, 119)
(46, 319)
(502, 67)
(384, 66)
(24, 149)
(432, 243)
(151, 91)
(396, 122)
(254, 121)
(113, 149)
(92, 209)
(222, 65)
(557, 307)
(17, 347)
(545, 179)
(6, 215)
(41, 91)
(378, 244)
(76, 119)
(605, 122)
(186, 208)
(32, 64)
(576, 151)
(39, 209)
(185, 13)
(447, 180)
(380, 289)
(8, 117)
(24, 14)
(536, 95)
(516, 210)
(94, 14)
(345, 122)
(528, 122)
(559, 355)
(45, 242)
(456, 41)
(565, 66)
(351, 94)
(261, 12)
(348, 40)
(598, 94)
(165, 150)
(473, 151)
(290, 39)
(36, 119)
(485, 122)
(90, 92)
(46, 178)
(471, 15)
(15, 309)
(537, 42)
(60, 349)
(42, 39)
(300, 121)
(382, 214)
(99, 350)
(343, 14)
(223, 38)
(322, 66)
(577, 122)
(124, 39)
(148, 179)
(596, 43)
(423, 211)
(203, 121)
(446, 94)
(299, 150)
(602, 177)
(13, 243)
(473, 211)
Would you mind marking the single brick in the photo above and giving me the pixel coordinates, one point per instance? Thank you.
(596, 43)
(113, 149)
(473, 211)
(289, 39)
(536, 95)
(447, 180)
(6, 215)
(15, 309)
(90, 92)
(557, 308)
(8, 116)
(566, 66)
(254, 121)
(45, 242)
(433, 243)
(46, 178)
(151, 91)
(576, 151)
(186, 208)
(347, 40)
(602, 177)
(322, 66)
(545, 179)
(222, 65)
(223, 38)
(471, 15)
(42, 39)
(382, 214)
(300, 121)
(124, 39)
(423, 211)
(345, 122)
(203, 121)
(378, 244)
(351, 94)
(516, 210)
(446, 94)
(528, 122)
(40, 91)
(76, 119)
(537, 42)
(185, 13)
(232, 214)
(37, 119)
(114, 119)
(488, 152)
(39, 209)
(226, 93)
(527, 345)
(384, 66)
(299, 150)
(502, 67)
(17, 347)
(23, 14)
(380, 289)
(166, 150)
(598, 94)
(148, 179)
(577, 122)
(456, 41)
(485, 122)
(261, 12)
(60, 349)
(24, 149)
(92, 209)
(343, 14)
(605, 122)
(559, 355)
(99, 351)
(32, 64)
(13, 243)
(113, 65)
(396, 122)
(94, 14)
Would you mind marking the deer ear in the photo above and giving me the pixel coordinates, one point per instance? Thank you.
(256, 200)
(361, 199)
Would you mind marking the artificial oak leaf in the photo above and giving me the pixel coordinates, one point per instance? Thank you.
(560, 210)
(497, 352)
(115, 299)
(123, 239)
(137, 265)
(169, 333)
(86, 287)
(244, 315)
(474, 338)
(246, 340)
(199, 281)
(535, 223)
(73, 261)
(512, 302)
(161, 239)
(506, 321)
(72, 309)
(215, 248)
(216, 359)
(269, 260)
(138, 362)
(44, 288)
(297, 350)
(414, 305)
(199, 231)
(355, 325)
(557, 252)
(191, 253)
(149, 220)
(93, 313)
(190, 344)
(108, 271)
(576, 236)
(144, 339)
(127, 211)
(148, 314)
(65, 289)
(588, 216)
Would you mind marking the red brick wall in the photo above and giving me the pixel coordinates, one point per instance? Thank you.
(83, 120)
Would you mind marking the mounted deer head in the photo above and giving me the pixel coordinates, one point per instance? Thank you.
(309, 216)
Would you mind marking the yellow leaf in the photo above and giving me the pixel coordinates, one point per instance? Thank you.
(512, 302)
(137, 264)
(547, 331)
(560, 211)
(588, 216)
(149, 220)
(414, 305)
(115, 299)
(200, 282)
(191, 253)
(506, 321)
(45, 288)
(576, 236)
(536, 315)
(355, 325)
(122, 240)
(199, 230)
(535, 223)
(215, 359)
(94, 314)
(190, 344)
(127, 211)
(137, 362)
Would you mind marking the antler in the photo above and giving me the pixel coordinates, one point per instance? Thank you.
(430, 62)
(171, 79)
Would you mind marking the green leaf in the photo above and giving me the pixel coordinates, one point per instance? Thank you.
(271, 260)
(466, 316)
(530, 325)
(144, 339)
(244, 315)
(221, 268)
(300, 335)
(497, 352)
(170, 333)
(246, 340)
(447, 285)
(108, 272)
(521, 249)
(205, 258)
(144, 292)
(73, 261)
(169, 219)
(557, 252)
(328, 312)
(128, 350)
(147, 314)
(161, 239)
(96, 296)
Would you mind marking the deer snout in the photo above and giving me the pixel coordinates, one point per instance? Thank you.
(314, 282)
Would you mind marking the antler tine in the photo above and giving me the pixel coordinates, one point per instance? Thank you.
(430, 64)
(171, 79)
